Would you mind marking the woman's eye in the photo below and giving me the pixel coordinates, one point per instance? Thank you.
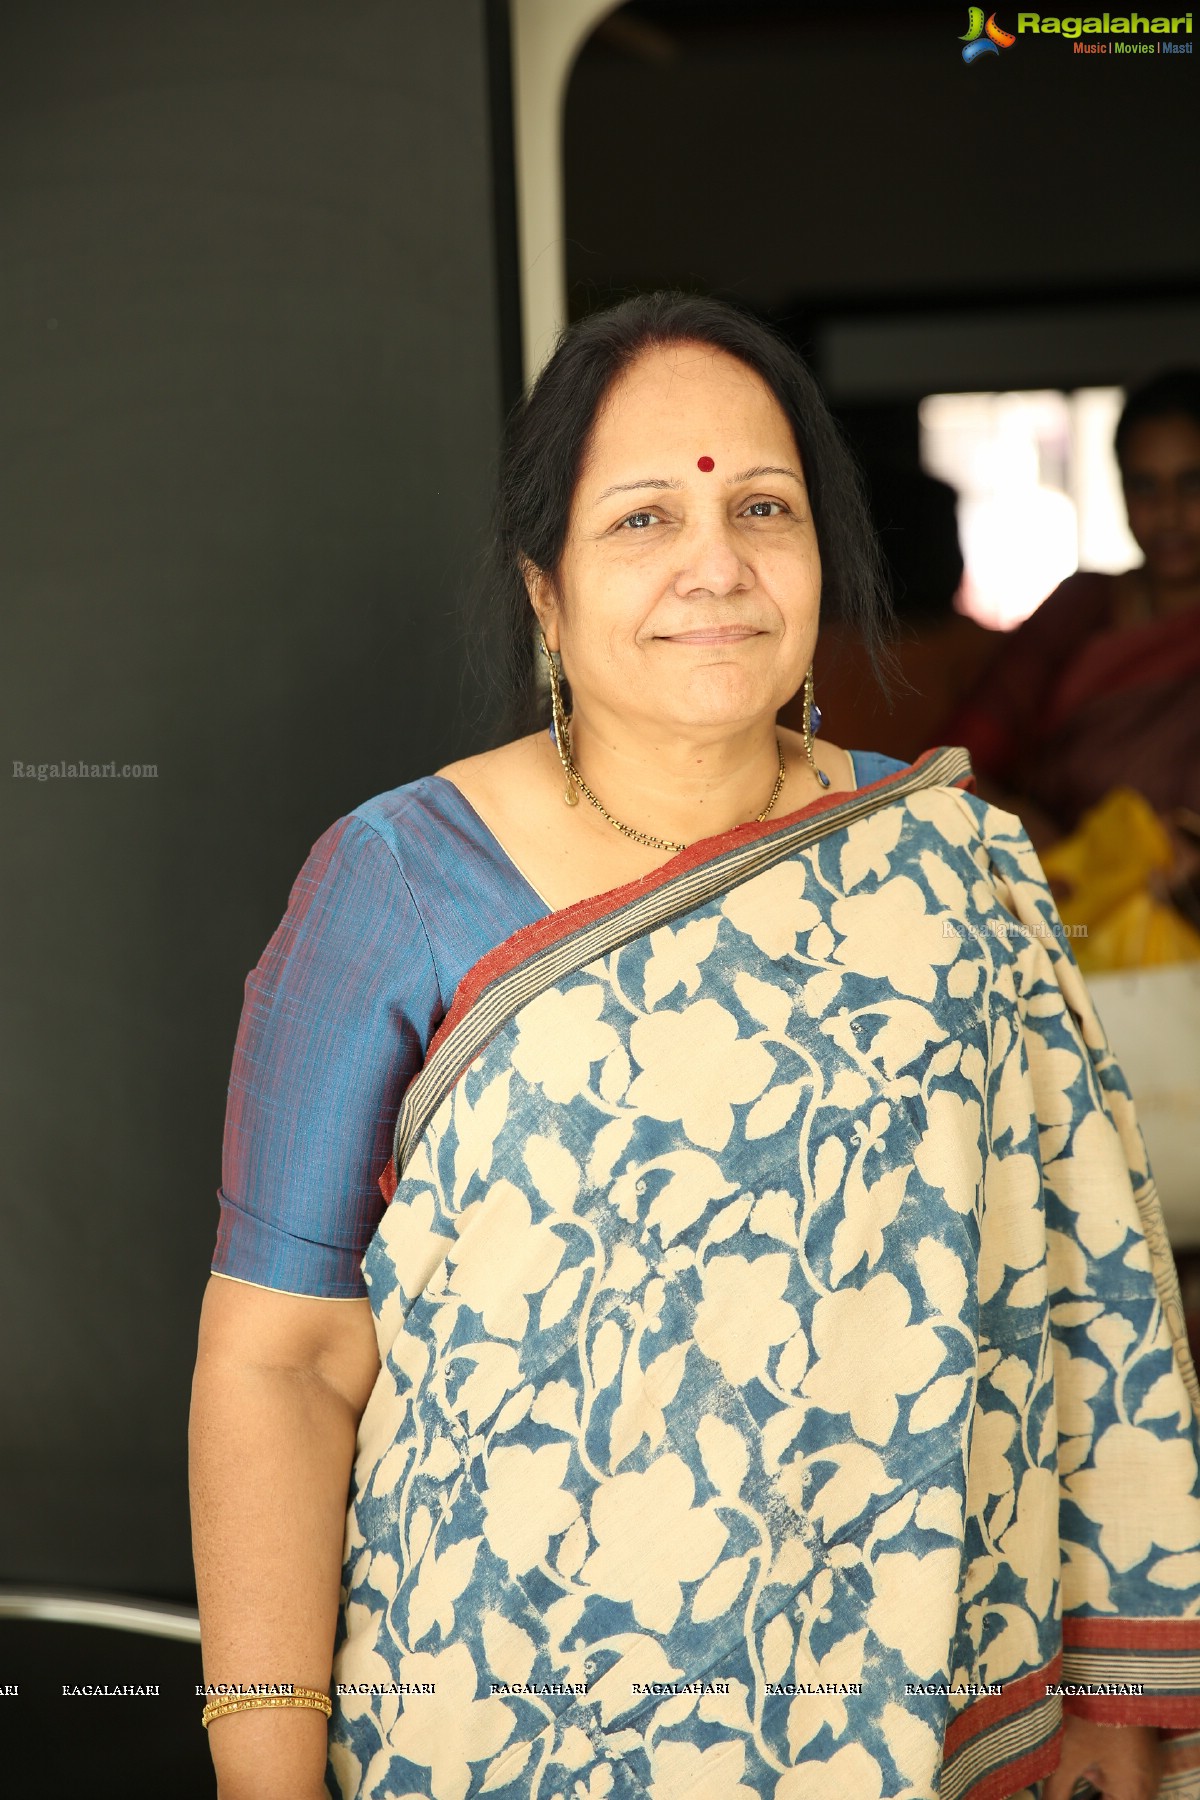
(758, 509)
(639, 520)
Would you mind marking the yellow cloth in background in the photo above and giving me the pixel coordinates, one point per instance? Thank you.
(1108, 867)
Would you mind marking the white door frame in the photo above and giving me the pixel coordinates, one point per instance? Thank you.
(547, 35)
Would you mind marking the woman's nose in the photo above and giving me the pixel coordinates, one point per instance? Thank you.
(712, 559)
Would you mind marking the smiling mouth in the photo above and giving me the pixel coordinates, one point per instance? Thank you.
(714, 634)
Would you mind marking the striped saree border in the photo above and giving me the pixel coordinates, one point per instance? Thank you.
(1162, 1656)
(534, 958)
(1004, 1742)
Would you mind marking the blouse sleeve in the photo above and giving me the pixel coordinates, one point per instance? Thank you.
(338, 1013)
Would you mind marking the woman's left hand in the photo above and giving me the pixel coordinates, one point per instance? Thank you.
(1120, 1761)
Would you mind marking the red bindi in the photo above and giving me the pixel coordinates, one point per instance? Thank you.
(706, 463)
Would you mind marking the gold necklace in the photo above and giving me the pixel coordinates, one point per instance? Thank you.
(576, 785)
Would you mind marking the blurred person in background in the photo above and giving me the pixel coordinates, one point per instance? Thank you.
(1100, 688)
(938, 653)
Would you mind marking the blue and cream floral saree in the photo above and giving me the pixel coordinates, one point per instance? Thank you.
(784, 1389)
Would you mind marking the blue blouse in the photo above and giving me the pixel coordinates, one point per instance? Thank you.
(395, 902)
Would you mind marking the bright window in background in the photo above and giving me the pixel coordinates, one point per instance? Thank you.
(1038, 492)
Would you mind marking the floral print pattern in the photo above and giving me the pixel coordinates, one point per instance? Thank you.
(769, 1341)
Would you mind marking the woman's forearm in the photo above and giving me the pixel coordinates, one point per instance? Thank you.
(271, 1451)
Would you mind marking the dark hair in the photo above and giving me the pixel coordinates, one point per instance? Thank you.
(1172, 395)
(916, 516)
(547, 435)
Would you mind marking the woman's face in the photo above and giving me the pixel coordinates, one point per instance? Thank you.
(1160, 472)
(687, 596)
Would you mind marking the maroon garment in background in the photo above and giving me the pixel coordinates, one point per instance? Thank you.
(1075, 705)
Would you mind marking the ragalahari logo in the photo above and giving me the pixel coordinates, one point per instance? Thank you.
(982, 39)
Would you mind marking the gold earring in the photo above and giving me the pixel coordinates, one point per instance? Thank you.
(812, 724)
(559, 729)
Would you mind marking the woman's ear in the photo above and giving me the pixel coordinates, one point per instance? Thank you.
(542, 599)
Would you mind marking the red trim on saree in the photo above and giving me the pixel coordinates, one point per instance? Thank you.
(980, 1715)
(997, 1716)
(1009, 1779)
(1131, 1711)
(1010, 1761)
(534, 940)
(531, 939)
(1117, 1652)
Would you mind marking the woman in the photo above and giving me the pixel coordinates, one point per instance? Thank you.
(1100, 688)
(769, 1256)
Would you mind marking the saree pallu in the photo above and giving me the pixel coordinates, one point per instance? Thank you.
(784, 1389)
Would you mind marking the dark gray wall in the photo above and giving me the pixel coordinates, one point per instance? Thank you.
(250, 398)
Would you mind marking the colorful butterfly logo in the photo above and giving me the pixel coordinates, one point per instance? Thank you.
(981, 39)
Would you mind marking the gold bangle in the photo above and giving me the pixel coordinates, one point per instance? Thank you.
(310, 1699)
(320, 1704)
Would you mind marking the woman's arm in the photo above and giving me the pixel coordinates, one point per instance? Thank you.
(280, 1385)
